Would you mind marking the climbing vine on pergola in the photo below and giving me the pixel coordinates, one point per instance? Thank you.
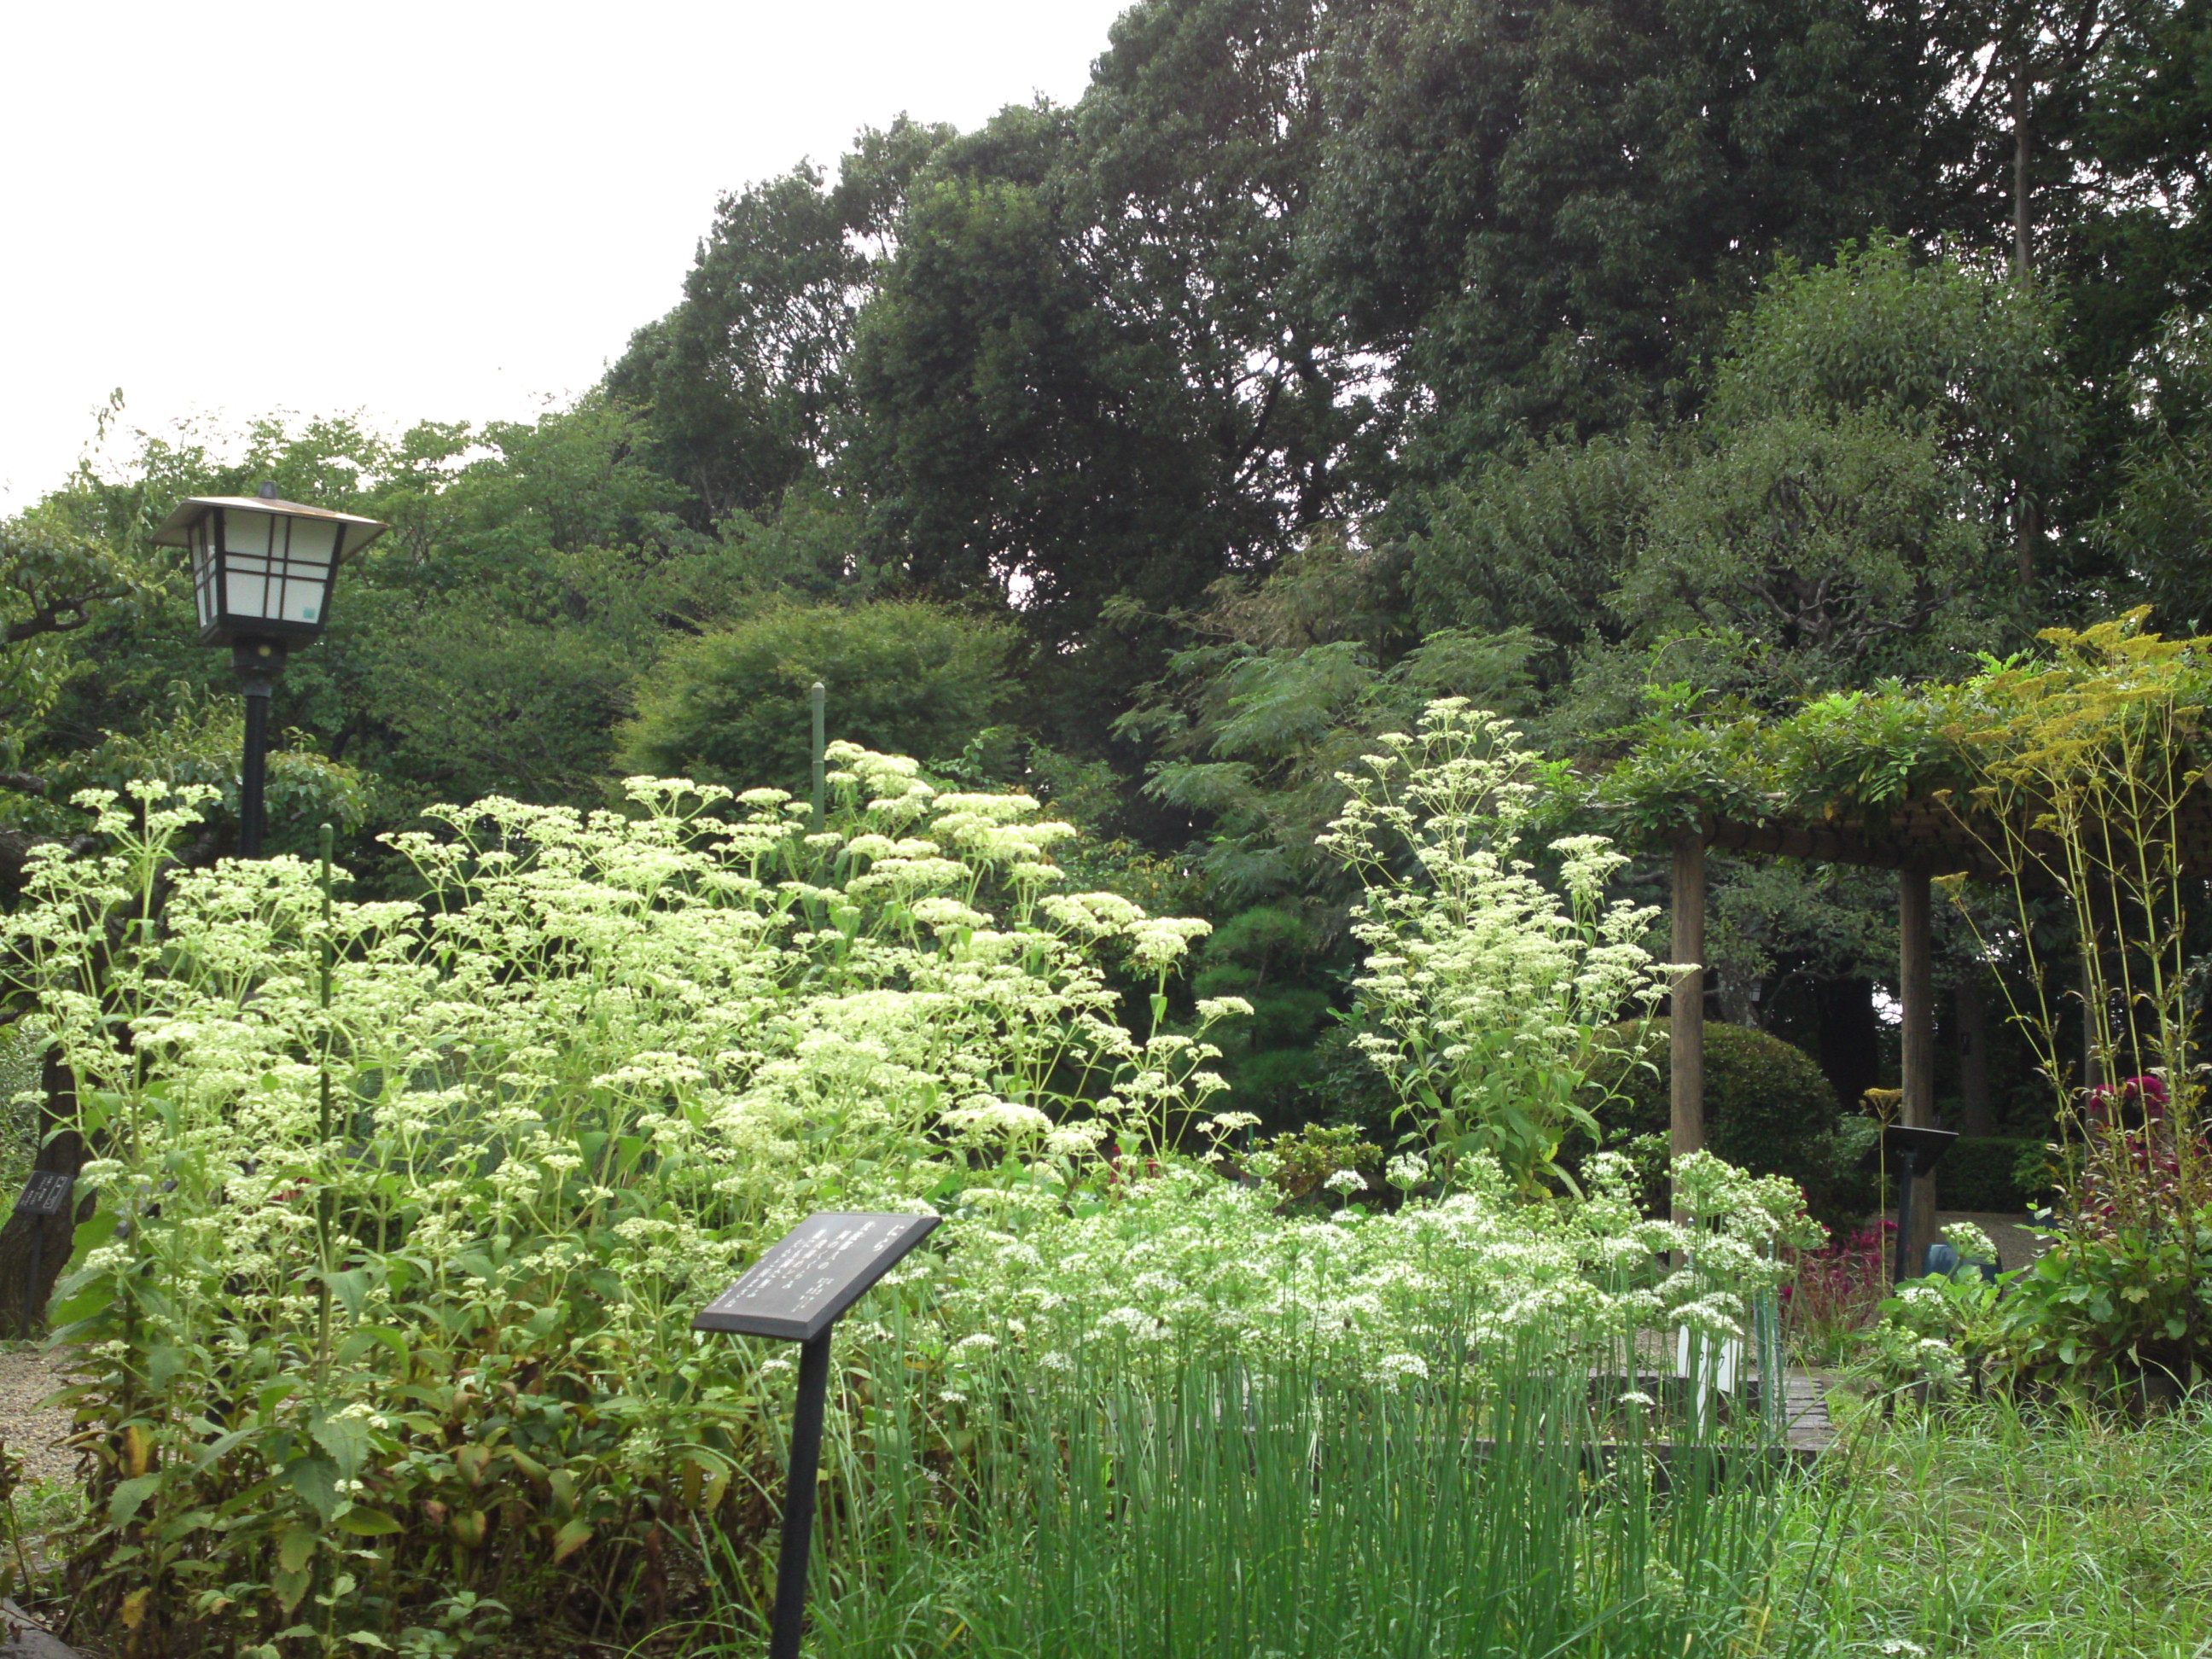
(2074, 771)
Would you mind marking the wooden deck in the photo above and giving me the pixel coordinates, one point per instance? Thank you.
(1807, 1430)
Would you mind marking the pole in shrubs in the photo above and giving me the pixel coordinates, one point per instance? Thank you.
(797, 1291)
(1914, 1152)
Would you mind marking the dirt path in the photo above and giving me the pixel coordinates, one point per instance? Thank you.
(33, 1434)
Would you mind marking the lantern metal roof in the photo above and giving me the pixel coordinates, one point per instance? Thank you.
(176, 530)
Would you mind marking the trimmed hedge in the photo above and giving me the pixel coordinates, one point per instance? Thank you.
(1991, 1173)
(1769, 1109)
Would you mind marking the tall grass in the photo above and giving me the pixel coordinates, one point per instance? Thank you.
(1994, 1531)
(1184, 1509)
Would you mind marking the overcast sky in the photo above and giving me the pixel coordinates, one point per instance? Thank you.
(452, 210)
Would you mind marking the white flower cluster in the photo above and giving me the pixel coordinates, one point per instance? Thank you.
(1493, 998)
(1188, 1263)
(632, 1042)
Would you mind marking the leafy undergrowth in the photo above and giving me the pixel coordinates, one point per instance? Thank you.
(1993, 1531)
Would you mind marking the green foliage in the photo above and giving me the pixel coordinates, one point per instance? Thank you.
(1261, 954)
(1328, 1166)
(740, 384)
(1955, 352)
(734, 707)
(1541, 541)
(1840, 512)
(1489, 999)
(1547, 213)
(1768, 1108)
(2136, 1295)
(1834, 542)
(53, 582)
(1996, 1175)
(2161, 518)
(389, 1285)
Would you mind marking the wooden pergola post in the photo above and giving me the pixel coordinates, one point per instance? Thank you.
(1685, 1039)
(1916, 990)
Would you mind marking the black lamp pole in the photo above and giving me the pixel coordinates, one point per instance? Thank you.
(256, 663)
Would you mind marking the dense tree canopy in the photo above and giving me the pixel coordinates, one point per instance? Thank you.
(1584, 357)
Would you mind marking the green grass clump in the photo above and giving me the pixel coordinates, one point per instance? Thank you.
(1993, 1531)
(1207, 1509)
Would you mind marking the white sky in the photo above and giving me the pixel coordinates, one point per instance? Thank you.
(408, 209)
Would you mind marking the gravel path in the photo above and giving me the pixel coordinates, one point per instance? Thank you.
(2016, 1246)
(33, 1435)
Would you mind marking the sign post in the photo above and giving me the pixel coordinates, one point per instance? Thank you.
(797, 1291)
(45, 1194)
(1915, 1151)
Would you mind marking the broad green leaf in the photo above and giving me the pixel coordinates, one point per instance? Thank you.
(128, 1495)
(316, 1480)
(367, 1523)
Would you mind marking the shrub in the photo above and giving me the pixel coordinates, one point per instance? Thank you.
(2136, 1295)
(732, 707)
(1768, 1108)
(1986, 1173)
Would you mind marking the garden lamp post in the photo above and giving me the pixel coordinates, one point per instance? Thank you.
(262, 573)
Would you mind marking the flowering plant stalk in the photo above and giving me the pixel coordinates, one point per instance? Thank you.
(2089, 786)
(1493, 1001)
(330, 1381)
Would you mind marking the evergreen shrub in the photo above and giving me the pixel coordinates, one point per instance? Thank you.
(1993, 1174)
(1768, 1108)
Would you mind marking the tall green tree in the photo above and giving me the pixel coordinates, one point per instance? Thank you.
(1543, 215)
(1844, 508)
(741, 383)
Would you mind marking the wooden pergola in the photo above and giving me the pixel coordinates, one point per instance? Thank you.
(1920, 839)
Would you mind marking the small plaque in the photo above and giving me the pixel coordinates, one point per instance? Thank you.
(46, 1192)
(813, 1274)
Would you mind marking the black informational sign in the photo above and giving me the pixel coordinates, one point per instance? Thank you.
(46, 1192)
(797, 1291)
(813, 1274)
(1921, 1149)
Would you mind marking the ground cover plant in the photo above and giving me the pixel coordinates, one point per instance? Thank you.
(1993, 1530)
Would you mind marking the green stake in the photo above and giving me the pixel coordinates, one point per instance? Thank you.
(820, 697)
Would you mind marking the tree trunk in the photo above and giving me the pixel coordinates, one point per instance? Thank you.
(64, 1153)
(1850, 1038)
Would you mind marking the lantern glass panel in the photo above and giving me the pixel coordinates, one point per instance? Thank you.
(245, 538)
(310, 549)
(278, 566)
(205, 594)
